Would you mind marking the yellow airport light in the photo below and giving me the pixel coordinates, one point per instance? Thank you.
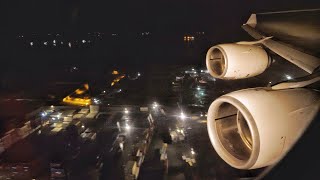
(86, 86)
(115, 72)
(79, 91)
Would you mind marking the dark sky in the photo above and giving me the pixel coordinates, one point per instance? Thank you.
(220, 19)
(137, 15)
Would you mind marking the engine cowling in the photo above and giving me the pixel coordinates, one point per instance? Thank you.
(236, 61)
(253, 128)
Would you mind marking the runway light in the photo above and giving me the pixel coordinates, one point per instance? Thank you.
(82, 126)
(126, 110)
(182, 116)
(96, 101)
(155, 105)
(31, 43)
(52, 106)
(127, 127)
(83, 41)
(192, 151)
(198, 88)
(139, 74)
(43, 114)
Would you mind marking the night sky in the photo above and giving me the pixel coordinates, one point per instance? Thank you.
(125, 15)
(220, 19)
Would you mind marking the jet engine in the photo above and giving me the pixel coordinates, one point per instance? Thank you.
(236, 61)
(253, 128)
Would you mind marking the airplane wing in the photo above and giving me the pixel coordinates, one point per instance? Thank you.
(296, 35)
(256, 127)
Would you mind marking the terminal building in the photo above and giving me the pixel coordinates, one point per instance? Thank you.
(79, 97)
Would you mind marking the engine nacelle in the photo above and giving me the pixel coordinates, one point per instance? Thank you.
(236, 61)
(253, 128)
